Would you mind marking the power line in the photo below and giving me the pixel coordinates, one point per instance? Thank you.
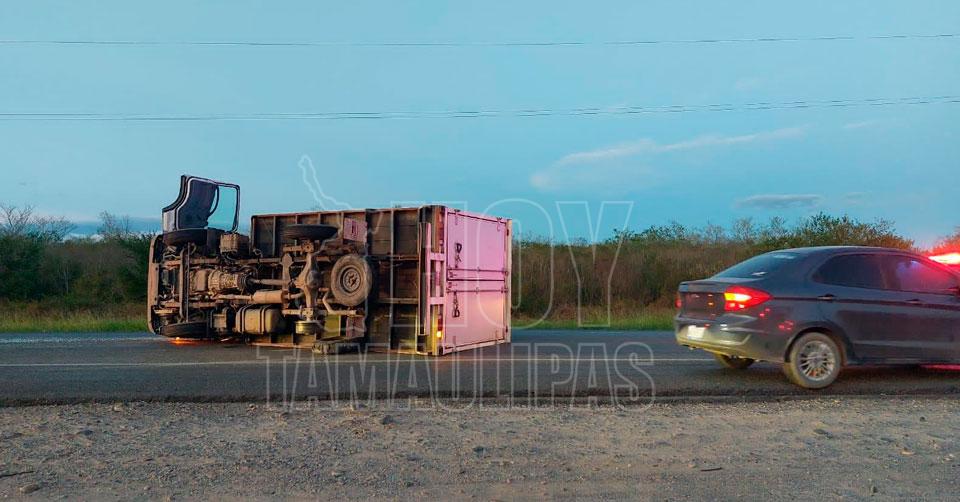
(442, 44)
(455, 114)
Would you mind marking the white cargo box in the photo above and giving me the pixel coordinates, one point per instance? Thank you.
(443, 275)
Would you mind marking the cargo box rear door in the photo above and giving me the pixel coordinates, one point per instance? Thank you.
(477, 307)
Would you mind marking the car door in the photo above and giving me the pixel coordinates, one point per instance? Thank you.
(853, 294)
(933, 298)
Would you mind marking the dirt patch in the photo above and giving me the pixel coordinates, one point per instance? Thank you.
(858, 449)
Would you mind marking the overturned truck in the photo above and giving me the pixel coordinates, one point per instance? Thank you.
(428, 280)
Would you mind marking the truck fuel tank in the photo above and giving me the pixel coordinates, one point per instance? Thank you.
(259, 320)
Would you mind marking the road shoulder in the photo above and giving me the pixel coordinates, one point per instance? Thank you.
(894, 447)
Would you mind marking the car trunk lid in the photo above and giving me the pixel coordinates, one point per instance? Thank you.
(703, 299)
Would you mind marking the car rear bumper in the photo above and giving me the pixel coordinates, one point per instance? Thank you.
(738, 338)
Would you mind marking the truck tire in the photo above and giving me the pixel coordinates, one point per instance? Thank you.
(208, 237)
(191, 329)
(308, 232)
(351, 280)
(177, 238)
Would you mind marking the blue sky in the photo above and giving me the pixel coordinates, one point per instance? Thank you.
(894, 162)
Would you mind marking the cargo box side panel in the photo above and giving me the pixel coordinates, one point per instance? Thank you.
(476, 306)
(465, 294)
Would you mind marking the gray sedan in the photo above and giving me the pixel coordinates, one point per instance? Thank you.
(816, 310)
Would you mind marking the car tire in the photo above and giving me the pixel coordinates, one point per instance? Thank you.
(734, 362)
(351, 280)
(191, 329)
(308, 232)
(814, 361)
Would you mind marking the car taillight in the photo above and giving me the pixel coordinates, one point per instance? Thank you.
(678, 302)
(741, 297)
(947, 259)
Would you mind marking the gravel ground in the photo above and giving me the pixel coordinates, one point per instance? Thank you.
(855, 448)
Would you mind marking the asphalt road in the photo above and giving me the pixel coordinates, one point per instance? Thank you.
(540, 367)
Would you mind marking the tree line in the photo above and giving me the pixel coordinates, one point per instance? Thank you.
(41, 261)
(635, 270)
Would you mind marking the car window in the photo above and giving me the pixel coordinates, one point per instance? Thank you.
(852, 270)
(760, 266)
(911, 274)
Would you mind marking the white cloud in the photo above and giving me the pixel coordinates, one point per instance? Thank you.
(600, 166)
(611, 152)
(781, 201)
(646, 145)
(599, 179)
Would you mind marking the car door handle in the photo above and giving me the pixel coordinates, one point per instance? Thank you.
(915, 302)
(826, 298)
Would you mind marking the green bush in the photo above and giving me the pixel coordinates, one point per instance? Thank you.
(20, 258)
(949, 244)
(638, 271)
(38, 263)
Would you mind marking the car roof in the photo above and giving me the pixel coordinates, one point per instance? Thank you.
(827, 250)
(814, 251)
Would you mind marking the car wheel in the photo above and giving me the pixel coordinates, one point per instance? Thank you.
(734, 362)
(351, 280)
(192, 329)
(308, 232)
(814, 361)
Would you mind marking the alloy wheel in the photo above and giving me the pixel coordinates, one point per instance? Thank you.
(816, 360)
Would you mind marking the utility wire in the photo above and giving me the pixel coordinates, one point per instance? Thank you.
(454, 114)
(572, 43)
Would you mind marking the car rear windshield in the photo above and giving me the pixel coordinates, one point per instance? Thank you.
(760, 266)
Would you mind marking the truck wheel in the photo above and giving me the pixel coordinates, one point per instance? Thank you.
(351, 280)
(308, 232)
(192, 329)
(814, 361)
(208, 239)
(734, 362)
(335, 348)
(196, 236)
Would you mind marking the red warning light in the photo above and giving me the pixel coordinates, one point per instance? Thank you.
(947, 259)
